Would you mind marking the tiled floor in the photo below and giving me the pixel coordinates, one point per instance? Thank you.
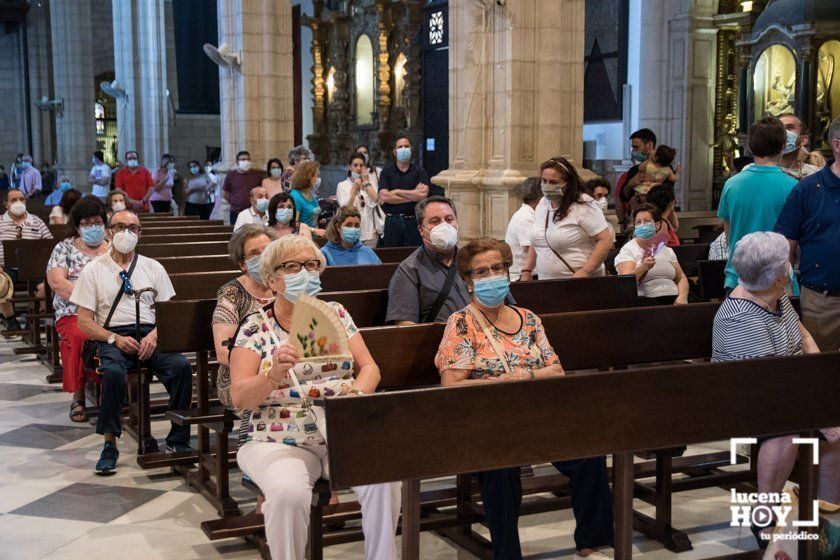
(53, 506)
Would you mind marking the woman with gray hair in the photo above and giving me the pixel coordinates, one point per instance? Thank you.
(296, 155)
(757, 320)
(240, 297)
(285, 452)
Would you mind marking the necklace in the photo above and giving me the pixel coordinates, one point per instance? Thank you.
(496, 327)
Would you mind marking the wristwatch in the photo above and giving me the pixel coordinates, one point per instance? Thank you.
(112, 338)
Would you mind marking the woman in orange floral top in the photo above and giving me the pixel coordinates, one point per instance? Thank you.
(466, 354)
(490, 341)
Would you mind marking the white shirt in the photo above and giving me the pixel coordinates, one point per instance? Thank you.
(368, 225)
(98, 284)
(518, 236)
(659, 280)
(571, 237)
(250, 216)
(100, 173)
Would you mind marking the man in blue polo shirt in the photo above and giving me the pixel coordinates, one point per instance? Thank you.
(753, 199)
(811, 222)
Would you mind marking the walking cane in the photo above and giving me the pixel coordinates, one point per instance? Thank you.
(145, 442)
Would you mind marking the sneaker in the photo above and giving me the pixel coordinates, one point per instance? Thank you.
(177, 447)
(107, 463)
(596, 555)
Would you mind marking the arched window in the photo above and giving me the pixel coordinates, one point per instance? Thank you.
(364, 81)
(400, 72)
(774, 82)
(99, 115)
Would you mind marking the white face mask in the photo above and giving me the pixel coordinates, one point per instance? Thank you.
(244, 164)
(118, 206)
(603, 203)
(125, 241)
(132, 163)
(276, 172)
(17, 208)
(208, 168)
(443, 237)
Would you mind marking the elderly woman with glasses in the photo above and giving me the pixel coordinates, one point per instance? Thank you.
(757, 320)
(490, 341)
(285, 452)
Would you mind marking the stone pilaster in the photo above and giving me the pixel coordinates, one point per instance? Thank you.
(516, 99)
(140, 66)
(257, 106)
(73, 81)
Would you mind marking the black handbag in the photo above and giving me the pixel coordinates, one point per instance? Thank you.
(90, 355)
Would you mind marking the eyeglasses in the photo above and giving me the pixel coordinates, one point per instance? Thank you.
(133, 228)
(126, 283)
(643, 222)
(91, 222)
(293, 267)
(486, 272)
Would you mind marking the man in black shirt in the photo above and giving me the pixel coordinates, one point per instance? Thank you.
(642, 146)
(401, 186)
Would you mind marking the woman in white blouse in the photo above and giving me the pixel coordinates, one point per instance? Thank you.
(361, 189)
(571, 237)
(658, 274)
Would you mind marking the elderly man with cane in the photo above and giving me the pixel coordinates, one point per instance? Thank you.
(125, 334)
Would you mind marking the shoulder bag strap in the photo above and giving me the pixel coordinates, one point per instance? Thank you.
(493, 343)
(556, 254)
(119, 295)
(443, 294)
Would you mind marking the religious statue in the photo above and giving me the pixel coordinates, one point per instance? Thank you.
(781, 95)
(728, 144)
(825, 78)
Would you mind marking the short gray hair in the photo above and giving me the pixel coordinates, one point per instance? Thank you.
(236, 245)
(760, 258)
(420, 208)
(278, 252)
(834, 130)
(530, 190)
(297, 153)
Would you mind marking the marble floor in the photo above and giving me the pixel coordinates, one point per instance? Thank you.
(53, 506)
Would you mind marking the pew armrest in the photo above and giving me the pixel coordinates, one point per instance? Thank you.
(192, 417)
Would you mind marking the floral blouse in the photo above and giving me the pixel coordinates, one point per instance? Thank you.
(465, 346)
(281, 418)
(67, 255)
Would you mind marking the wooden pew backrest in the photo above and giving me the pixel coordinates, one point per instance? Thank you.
(557, 296)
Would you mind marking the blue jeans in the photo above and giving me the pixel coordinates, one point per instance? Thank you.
(172, 370)
(401, 231)
(501, 492)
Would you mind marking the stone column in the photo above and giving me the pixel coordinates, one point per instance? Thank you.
(677, 96)
(140, 66)
(257, 104)
(515, 100)
(71, 26)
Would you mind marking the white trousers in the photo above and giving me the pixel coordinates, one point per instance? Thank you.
(286, 475)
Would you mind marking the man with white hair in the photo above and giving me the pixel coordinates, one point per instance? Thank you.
(810, 220)
(30, 177)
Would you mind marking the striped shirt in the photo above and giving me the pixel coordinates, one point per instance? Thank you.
(743, 330)
(32, 227)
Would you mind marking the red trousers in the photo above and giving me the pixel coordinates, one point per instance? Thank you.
(71, 339)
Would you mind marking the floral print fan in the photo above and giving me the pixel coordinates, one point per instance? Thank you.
(317, 333)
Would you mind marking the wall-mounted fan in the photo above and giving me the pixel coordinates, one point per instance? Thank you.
(47, 104)
(223, 55)
(113, 89)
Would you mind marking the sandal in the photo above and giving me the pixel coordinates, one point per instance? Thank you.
(78, 411)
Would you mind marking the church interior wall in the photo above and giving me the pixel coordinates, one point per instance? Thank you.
(13, 109)
(306, 8)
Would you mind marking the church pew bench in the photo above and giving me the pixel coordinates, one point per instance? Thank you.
(727, 400)
(711, 279)
(195, 248)
(184, 229)
(153, 238)
(406, 355)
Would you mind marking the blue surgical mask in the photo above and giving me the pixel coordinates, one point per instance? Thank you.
(645, 231)
(304, 282)
(93, 236)
(261, 204)
(354, 175)
(491, 292)
(350, 234)
(194, 169)
(26, 165)
(284, 215)
(253, 265)
(403, 154)
(637, 157)
(94, 161)
(65, 186)
(317, 185)
(790, 145)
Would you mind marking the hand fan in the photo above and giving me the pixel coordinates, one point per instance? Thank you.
(317, 333)
(657, 242)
